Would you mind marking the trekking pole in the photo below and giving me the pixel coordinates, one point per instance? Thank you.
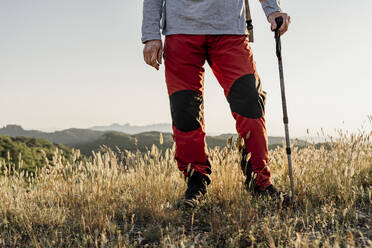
(279, 22)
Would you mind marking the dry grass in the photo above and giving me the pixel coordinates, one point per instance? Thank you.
(101, 203)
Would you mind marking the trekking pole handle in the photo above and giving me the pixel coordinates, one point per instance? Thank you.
(279, 22)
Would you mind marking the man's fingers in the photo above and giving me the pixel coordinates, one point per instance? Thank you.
(284, 30)
(147, 60)
(160, 55)
(147, 56)
(153, 61)
(153, 58)
(285, 26)
(284, 17)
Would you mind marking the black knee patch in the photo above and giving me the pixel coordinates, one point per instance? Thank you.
(187, 110)
(246, 97)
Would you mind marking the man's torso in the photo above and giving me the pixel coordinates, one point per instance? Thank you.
(204, 17)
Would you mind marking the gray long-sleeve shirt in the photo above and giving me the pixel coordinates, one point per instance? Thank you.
(196, 17)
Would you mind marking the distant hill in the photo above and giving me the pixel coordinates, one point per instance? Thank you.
(87, 140)
(67, 137)
(129, 129)
(123, 141)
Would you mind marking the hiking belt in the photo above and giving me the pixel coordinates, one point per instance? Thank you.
(248, 20)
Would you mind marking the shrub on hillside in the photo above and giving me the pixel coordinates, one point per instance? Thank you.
(27, 154)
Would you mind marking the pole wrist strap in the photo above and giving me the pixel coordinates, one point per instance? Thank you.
(248, 20)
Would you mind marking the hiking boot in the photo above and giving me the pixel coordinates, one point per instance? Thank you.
(196, 189)
(274, 193)
(251, 183)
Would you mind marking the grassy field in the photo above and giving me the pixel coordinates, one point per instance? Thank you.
(104, 203)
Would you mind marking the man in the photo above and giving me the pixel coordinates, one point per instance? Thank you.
(214, 31)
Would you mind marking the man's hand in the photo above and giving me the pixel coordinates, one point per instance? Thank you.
(286, 21)
(152, 53)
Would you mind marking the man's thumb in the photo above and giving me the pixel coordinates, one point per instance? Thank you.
(273, 25)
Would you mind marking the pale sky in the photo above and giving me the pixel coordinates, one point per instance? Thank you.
(78, 63)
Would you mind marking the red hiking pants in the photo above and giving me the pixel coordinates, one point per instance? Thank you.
(231, 60)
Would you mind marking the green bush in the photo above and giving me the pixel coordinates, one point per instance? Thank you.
(27, 154)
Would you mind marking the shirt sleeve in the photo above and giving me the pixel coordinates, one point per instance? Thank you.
(152, 13)
(270, 6)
